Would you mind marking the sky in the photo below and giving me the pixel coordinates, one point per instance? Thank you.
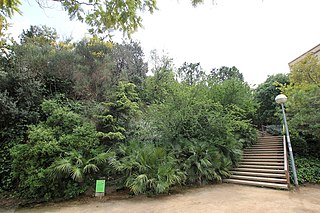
(259, 37)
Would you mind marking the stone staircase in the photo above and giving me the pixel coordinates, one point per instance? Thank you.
(264, 164)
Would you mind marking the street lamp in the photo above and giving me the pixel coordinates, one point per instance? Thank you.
(281, 99)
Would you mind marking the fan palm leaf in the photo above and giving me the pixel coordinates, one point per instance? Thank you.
(90, 168)
(76, 174)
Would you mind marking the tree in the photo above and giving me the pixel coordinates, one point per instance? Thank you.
(116, 118)
(7, 9)
(303, 115)
(191, 73)
(129, 63)
(306, 71)
(234, 92)
(265, 95)
(226, 73)
(39, 35)
(93, 69)
(158, 87)
(102, 16)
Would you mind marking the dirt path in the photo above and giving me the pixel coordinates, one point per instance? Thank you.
(214, 198)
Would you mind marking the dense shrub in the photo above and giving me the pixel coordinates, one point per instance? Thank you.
(58, 156)
(147, 168)
(205, 137)
(202, 161)
(303, 116)
(308, 170)
(275, 129)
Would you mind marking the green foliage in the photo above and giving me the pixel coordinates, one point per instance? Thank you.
(130, 65)
(206, 137)
(303, 105)
(265, 95)
(226, 73)
(303, 115)
(275, 129)
(65, 145)
(20, 97)
(191, 73)
(234, 93)
(42, 67)
(39, 35)
(76, 166)
(147, 168)
(117, 116)
(160, 86)
(149, 137)
(202, 137)
(103, 17)
(308, 170)
(7, 9)
(202, 161)
(306, 71)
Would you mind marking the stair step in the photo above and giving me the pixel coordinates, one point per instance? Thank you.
(268, 145)
(271, 136)
(275, 153)
(263, 151)
(263, 179)
(269, 142)
(246, 169)
(260, 174)
(267, 148)
(261, 160)
(263, 163)
(260, 166)
(270, 139)
(252, 156)
(264, 154)
(258, 183)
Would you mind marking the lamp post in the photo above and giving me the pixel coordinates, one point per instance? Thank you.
(281, 99)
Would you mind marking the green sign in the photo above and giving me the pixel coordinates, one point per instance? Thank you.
(100, 186)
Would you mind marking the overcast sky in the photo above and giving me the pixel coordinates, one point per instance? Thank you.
(259, 37)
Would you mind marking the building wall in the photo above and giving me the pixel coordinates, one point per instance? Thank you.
(315, 51)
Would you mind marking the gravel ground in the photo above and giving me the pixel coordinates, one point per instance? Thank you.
(211, 198)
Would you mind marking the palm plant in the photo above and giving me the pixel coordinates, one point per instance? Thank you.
(148, 169)
(77, 166)
(202, 161)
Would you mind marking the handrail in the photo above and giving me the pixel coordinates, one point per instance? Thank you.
(285, 156)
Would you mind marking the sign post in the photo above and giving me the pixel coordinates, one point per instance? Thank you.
(100, 188)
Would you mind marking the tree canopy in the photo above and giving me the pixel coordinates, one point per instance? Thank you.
(265, 95)
(103, 17)
(306, 71)
(225, 73)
